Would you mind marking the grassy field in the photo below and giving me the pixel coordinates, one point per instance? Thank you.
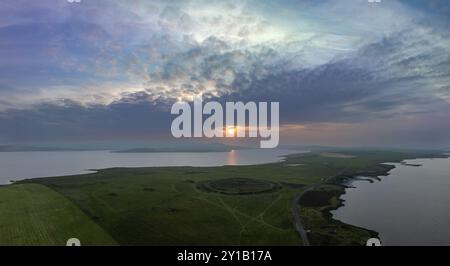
(33, 214)
(166, 206)
(163, 206)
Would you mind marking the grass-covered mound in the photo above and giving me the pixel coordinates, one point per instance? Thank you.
(239, 186)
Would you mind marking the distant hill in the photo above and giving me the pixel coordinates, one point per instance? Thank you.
(183, 148)
(133, 148)
(14, 148)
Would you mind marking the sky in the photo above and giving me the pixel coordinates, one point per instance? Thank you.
(346, 72)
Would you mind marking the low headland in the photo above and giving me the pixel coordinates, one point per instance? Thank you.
(228, 205)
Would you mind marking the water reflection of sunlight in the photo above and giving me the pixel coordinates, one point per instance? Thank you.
(232, 160)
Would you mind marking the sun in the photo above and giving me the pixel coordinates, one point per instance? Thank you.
(231, 131)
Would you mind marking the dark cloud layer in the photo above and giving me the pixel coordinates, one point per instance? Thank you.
(112, 70)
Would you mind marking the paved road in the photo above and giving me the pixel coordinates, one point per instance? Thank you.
(298, 222)
(295, 208)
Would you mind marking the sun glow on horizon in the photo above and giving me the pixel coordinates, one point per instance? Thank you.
(231, 131)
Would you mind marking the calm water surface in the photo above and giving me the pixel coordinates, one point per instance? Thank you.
(411, 206)
(20, 165)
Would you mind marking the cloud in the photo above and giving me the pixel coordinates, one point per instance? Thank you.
(130, 118)
(102, 67)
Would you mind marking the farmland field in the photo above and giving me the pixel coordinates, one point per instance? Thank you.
(33, 214)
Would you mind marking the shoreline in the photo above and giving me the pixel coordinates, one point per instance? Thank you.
(346, 181)
(144, 160)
